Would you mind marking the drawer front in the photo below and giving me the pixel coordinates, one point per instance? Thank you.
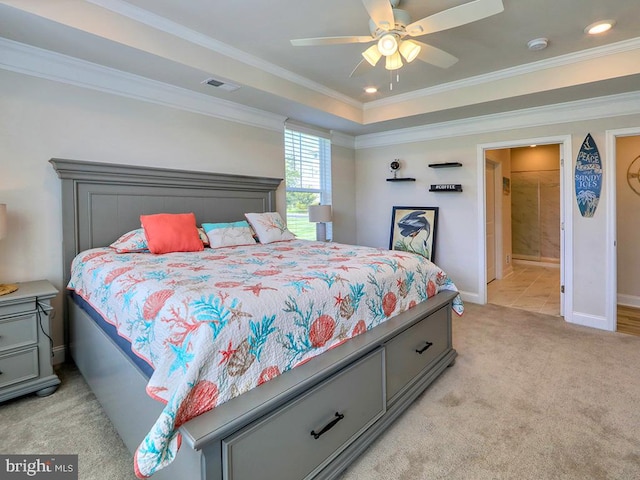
(283, 447)
(18, 308)
(18, 331)
(18, 366)
(406, 355)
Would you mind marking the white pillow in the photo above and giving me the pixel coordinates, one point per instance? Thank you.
(269, 227)
(228, 234)
(131, 242)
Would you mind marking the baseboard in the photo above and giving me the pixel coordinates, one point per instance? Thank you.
(587, 320)
(538, 263)
(470, 297)
(58, 355)
(629, 300)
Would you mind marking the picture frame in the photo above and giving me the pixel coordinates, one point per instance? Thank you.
(413, 229)
(506, 185)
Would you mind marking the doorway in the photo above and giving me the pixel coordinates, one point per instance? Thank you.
(624, 300)
(524, 240)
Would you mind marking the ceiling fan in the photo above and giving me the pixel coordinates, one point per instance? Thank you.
(389, 26)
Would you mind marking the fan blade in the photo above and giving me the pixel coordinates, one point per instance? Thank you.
(362, 68)
(435, 56)
(380, 12)
(307, 42)
(456, 16)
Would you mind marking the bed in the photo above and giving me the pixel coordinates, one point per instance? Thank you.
(324, 412)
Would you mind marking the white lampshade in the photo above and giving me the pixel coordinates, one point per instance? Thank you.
(319, 213)
(409, 50)
(388, 44)
(393, 62)
(3, 220)
(372, 55)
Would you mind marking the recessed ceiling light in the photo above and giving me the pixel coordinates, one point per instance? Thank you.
(370, 89)
(538, 44)
(599, 27)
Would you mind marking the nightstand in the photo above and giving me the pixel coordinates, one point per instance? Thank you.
(25, 345)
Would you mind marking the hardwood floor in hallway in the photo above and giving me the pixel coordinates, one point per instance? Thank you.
(628, 320)
(530, 287)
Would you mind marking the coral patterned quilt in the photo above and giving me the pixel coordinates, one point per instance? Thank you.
(217, 323)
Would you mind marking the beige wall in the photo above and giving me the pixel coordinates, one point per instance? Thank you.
(458, 235)
(42, 119)
(343, 194)
(541, 157)
(628, 225)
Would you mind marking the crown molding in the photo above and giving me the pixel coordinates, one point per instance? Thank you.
(590, 109)
(33, 61)
(172, 28)
(559, 61)
(342, 139)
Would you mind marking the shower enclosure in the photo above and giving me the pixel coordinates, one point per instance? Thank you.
(535, 215)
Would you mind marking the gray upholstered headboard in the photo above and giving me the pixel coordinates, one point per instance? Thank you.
(101, 201)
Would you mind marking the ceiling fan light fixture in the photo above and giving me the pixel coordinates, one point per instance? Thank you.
(393, 62)
(388, 44)
(372, 55)
(409, 50)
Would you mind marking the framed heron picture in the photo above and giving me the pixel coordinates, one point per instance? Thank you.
(413, 229)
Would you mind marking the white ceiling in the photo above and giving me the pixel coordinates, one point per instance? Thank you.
(247, 43)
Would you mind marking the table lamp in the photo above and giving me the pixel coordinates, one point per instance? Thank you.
(320, 215)
(5, 287)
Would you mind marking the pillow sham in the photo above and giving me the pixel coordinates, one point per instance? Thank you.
(228, 234)
(171, 232)
(131, 242)
(269, 227)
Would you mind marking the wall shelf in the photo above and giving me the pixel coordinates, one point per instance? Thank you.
(401, 179)
(445, 165)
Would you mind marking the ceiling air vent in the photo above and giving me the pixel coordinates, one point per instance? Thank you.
(229, 87)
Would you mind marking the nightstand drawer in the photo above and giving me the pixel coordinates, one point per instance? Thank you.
(18, 331)
(18, 366)
(11, 309)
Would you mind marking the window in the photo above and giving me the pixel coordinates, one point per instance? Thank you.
(308, 179)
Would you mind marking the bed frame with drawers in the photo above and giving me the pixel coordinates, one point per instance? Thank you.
(309, 422)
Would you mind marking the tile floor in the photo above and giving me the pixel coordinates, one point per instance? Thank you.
(529, 287)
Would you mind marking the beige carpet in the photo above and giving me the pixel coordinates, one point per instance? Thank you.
(530, 397)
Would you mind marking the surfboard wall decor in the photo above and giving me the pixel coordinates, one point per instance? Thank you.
(588, 177)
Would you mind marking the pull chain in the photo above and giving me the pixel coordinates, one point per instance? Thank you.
(391, 79)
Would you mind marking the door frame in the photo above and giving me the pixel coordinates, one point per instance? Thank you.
(610, 166)
(566, 215)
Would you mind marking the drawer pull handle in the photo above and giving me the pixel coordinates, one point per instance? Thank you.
(422, 350)
(328, 426)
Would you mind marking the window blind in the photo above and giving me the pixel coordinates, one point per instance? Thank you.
(308, 179)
